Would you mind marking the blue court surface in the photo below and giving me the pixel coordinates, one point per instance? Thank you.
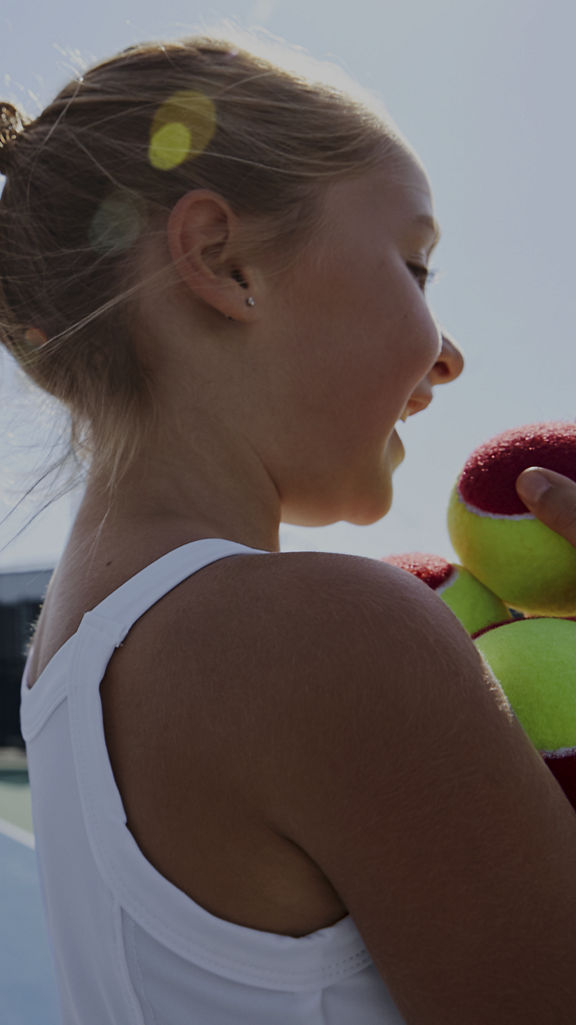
(28, 993)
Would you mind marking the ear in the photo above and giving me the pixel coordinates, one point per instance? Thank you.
(201, 232)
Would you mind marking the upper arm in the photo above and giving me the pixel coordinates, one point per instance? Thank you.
(396, 764)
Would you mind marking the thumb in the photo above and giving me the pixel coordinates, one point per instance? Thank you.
(552, 498)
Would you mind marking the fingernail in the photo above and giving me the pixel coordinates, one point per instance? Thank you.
(533, 485)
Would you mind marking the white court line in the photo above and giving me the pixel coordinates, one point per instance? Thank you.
(15, 833)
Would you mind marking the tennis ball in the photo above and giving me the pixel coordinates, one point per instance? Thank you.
(529, 566)
(534, 661)
(472, 603)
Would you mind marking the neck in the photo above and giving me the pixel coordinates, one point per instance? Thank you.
(203, 491)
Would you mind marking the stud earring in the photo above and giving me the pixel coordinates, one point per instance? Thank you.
(243, 284)
(249, 302)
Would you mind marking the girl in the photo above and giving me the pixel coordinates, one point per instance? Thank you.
(272, 788)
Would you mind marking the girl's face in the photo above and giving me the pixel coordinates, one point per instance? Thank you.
(360, 347)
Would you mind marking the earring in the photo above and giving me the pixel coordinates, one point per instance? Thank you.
(249, 302)
(243, 284)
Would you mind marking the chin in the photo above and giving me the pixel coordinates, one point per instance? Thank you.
(372, 510)
(368, 519)
(362, 513)
(309, 519)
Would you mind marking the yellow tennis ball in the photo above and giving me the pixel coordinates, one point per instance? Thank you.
(472, 603)
(529, 566)
(534, 661)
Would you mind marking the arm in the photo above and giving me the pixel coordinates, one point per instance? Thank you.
(397, 766)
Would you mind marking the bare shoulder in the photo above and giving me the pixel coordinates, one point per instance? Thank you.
(286, 631)
(388, 754)
(330, 606)
(344, 636)
(295, 594)
(328, 624)
(323, 584)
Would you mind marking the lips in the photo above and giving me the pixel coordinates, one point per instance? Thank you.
(399, 441)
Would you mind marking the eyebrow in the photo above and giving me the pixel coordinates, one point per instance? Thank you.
(429, 222)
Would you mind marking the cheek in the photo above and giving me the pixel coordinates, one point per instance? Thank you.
(420, 340)
(430, 342)
(362, 334)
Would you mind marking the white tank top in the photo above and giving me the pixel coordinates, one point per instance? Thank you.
(129, 947)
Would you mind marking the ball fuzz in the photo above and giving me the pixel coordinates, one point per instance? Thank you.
(472, 603)
(530, 567)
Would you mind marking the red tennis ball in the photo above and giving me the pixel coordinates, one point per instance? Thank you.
(472, 603)
(529, 566)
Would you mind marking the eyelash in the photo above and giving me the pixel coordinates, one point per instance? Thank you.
(429, 276)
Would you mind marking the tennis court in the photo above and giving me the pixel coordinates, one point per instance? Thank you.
(28, 993)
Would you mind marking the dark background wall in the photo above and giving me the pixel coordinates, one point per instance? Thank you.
(21, 597)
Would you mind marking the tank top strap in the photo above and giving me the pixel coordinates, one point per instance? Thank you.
(118, 612)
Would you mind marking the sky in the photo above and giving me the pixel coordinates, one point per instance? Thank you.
(484, 92)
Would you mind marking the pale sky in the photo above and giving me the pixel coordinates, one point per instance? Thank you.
(484, 92)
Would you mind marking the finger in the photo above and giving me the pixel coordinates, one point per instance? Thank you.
(552, 498)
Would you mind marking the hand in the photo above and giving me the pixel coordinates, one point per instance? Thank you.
(556, 505)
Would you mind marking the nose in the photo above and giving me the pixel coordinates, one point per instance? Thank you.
(448, 367)
(450, 362)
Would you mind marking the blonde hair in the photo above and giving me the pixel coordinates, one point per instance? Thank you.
(88, 177)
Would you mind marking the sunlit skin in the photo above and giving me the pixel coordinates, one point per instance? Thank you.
(285, 412)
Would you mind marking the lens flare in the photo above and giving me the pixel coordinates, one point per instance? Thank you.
(170, 146)
(117, 222)
(35, 337)
(181, 130)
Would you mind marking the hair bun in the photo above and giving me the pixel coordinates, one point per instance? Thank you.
(11, 125)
